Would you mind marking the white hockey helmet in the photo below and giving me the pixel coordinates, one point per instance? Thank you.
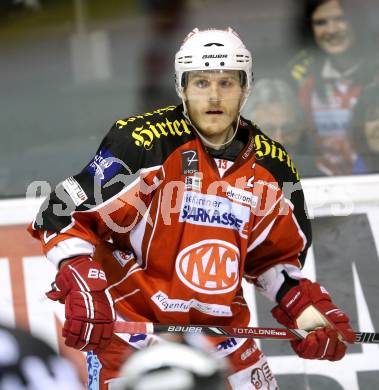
(213, 49)
(172, 366)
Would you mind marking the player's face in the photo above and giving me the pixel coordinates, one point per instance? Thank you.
(333, 33)
(278, 122)
(213, 102)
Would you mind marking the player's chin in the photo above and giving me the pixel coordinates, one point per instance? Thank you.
(215, 128)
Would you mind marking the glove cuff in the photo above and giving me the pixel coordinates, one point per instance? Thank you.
(74, 261)
(81, 273)
(300, 297)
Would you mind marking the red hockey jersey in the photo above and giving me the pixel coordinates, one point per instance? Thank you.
(174, 237)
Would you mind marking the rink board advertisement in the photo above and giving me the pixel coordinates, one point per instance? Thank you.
(344, 258)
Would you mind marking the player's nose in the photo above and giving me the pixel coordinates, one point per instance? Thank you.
(214, 91)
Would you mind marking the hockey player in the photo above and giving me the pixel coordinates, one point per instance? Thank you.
(176, 207)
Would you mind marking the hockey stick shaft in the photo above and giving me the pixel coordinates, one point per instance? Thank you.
(227, 331)
(208, 330)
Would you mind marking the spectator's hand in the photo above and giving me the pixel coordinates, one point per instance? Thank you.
(308, 306)
(81, 286)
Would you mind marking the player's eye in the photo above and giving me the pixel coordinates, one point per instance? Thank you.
(227, 83)
(202, 83)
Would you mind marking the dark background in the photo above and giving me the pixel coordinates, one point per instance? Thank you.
(53, 116)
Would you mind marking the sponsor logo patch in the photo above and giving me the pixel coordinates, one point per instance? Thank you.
(144, 136)
(208, 56)
(193, 183)
(75, 191)
(227, 344)
(212, 210)
(272, 186)
(262, 378)
(242, 196)
(248, 352)
(184, 329)
(122, 257)
(264, 146)
(190, 162)
(93, 368)
(104, 166)
(209, 266)
(167, 304)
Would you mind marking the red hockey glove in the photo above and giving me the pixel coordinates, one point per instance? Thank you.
(88, 305)
(309, 306)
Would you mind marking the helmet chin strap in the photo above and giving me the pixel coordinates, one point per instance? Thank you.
(204, 139)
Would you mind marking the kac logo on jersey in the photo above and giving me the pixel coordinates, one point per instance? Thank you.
(104, 166)
(210, 266)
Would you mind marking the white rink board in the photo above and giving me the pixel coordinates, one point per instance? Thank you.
(325, 196)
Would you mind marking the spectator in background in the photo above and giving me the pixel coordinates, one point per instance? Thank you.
(330, 76)
(274, 108)
(366, 130)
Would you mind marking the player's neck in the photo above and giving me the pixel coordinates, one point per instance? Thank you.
(218, 141)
